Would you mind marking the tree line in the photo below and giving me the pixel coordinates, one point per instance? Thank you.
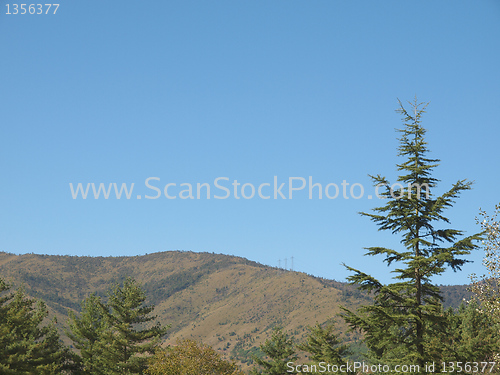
(405, 322)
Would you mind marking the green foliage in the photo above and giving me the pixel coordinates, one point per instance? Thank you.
(279, 351)
(359, 351)
(190, 358)
(110, 336)
(324, 346)
(87, 333)
(26, 345)
(406, 314)
(470, 334)
(127, 310)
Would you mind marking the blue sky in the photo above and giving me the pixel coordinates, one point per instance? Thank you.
(188, 91)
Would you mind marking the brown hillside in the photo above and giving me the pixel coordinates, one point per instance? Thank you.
(228, 302)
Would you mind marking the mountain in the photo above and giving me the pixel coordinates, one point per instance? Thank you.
(228, 302)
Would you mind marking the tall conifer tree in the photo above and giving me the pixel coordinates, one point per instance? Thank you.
(117, 337)
(130, 341)
(405, 313)
(27, 346)
(87, 332)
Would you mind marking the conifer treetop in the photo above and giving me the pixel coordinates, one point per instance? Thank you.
(406, 313)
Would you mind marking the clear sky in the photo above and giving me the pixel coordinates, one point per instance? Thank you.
(189, 91)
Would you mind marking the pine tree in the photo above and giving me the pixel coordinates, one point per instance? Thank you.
(113, 337)
(26, 345)
(129, 345)
(406, 313)
(87, 333)
(324, 346)
(280, 350)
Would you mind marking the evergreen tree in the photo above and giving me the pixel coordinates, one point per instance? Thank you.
(405, 314)
(128, 343)
(114, 338)
(470, 335)
(4, 328)
(324, 346)
(279, 350)
(26, 345)
(87, 333)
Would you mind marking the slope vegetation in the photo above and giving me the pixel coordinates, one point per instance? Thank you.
(228, 302)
